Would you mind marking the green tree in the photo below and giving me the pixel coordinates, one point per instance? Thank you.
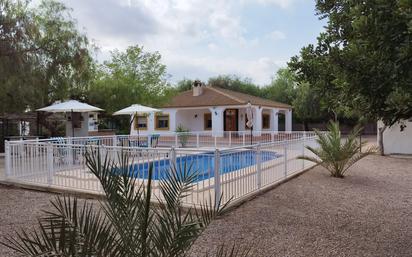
(43, 57)
(184, 85)
(282, 88)
(286, 88)
(366, 52)
(130, 77)
(306, 105)
(312, 67)
(235, 83)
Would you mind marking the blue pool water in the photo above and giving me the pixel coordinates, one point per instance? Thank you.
(203, 164)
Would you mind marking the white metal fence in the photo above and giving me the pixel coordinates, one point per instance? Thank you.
(183, 139)
(233, 172)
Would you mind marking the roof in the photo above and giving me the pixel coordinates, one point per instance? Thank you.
(216, 96)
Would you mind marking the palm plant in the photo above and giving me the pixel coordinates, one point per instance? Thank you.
(335, 154)
(183, 135)
(126, 223)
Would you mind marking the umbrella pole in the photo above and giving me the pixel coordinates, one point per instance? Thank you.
(72, 123)
(138, 138)
(251, 130)
(72, 154)
(131, 124)
(138, 131)
(251, 135)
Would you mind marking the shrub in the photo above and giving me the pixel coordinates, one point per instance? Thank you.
(183, 135)
(337, 155)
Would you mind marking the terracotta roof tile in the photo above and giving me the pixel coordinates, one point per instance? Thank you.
(215, 96)
(245, 98)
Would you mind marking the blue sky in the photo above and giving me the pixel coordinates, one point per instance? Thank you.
(202, 38)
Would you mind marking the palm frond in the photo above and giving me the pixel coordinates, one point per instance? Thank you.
(177, 228)
(127, 202)
(359, 156)
(68, 230)
(127, 223)
(178, 182)
(335, 154)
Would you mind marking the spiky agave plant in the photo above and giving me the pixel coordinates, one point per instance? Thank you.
(337, 155)
(126, 223)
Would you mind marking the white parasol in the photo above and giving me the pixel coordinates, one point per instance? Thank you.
(134, 110)
(70, 106)
(249, 116)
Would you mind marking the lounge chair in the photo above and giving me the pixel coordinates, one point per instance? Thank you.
(154, 140)
(62, 155)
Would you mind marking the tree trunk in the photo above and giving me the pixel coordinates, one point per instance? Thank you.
(381, 147)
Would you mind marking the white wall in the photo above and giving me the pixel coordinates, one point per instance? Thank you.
(185, 117)
(83, 131)
(191, 119)
(242, 119)
(217, 121)
(395, 141)
(93, 122)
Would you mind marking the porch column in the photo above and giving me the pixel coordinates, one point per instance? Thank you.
(217, 114)
(258, 121)
(150, 122)
(288, 120)
(274, 120)
(172, 120)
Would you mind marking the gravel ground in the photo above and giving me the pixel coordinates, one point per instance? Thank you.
(19, 209)
(369, 213)
(1, 167)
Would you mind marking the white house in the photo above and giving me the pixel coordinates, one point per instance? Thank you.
(206, 108)
(397, 140)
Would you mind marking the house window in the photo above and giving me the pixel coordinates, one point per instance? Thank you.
(140, 122)
(162, 121)
(208, 121)
(265, 121)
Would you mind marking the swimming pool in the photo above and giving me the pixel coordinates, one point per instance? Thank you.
(203, 164)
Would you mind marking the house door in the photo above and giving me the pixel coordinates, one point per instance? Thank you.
(231, 120)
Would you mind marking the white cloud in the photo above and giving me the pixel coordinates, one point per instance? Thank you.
(281, 3)
(196, 38)
(212, 46)
(276, 35)
(260, 70)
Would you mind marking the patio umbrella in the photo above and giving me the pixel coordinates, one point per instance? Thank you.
(134, 110)
(249, 116)
(70, 106)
